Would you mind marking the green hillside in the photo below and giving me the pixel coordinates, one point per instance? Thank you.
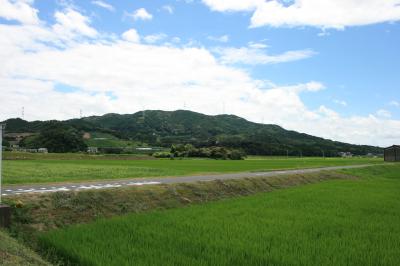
(164, 128)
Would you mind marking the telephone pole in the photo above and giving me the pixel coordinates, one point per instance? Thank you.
(5, 210)
(2, 127)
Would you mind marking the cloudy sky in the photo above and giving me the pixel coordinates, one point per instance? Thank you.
(324, 67)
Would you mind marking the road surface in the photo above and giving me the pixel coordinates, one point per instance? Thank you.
(115, 183)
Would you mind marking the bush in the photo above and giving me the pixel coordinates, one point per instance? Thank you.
(162, 154)
(209, 152)
(236, 155)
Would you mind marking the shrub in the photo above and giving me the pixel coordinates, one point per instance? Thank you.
(162, 154)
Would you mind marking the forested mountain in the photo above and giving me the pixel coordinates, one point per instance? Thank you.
(164, 128)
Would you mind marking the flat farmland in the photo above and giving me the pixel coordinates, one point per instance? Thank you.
(336, 222)
(71, 170)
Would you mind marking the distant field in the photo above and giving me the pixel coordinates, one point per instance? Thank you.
(56, 170)
(107, 140)
(73, 156)
(338, 222)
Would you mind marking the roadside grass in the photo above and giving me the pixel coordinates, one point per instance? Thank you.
(13, 253)
(337, 222)
(44, 171)
(43, 212)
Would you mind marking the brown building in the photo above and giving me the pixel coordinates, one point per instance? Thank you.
(392, 154)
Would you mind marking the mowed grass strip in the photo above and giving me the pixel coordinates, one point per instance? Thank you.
(339, 222)
(42, 171)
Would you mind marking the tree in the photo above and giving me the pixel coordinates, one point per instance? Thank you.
(57, 137)
(5, 143)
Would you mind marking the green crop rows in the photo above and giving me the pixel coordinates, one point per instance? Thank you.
(340, 222)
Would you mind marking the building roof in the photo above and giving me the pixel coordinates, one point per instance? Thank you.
(393, 146)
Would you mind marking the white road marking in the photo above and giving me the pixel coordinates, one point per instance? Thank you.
(77, 188)
(142, 183)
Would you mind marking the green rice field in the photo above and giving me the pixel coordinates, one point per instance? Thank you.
(338, 222)
(57, 170)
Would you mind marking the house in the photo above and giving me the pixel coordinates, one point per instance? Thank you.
(92, 150)
(43, 150)
(392, 154)
(346, 154)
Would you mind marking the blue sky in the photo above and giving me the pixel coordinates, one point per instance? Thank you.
(330, 67)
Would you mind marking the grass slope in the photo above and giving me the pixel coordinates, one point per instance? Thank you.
(13, 253)
(340, 222)
(42, 171)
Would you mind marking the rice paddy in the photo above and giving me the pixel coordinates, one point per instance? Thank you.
(338, 222)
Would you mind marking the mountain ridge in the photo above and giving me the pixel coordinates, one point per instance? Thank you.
(164, 128)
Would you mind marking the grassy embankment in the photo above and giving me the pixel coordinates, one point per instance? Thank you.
(85, 168)
(13, 253)
(337, 222)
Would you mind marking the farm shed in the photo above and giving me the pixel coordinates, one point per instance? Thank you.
(392, 154)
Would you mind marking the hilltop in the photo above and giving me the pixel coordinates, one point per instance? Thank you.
(164, 128)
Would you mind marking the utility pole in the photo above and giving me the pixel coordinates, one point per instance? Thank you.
(2, 127)
(287, 154)
(5, 210)
(23, 113)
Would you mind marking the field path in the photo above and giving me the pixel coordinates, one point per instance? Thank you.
(114, 183)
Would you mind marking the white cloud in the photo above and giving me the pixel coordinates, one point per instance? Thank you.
(104, 5)
(71, 23)
(157, 77)
(324, 14)
(222, 38)
(168, 8)
(340, 102)
(19, 10)
(176, 40)
(141, 14)
(394, 103)
(384, 113)
(254, 54)
(257, 45)
(153, 38)
(131, 36)
(233, 5)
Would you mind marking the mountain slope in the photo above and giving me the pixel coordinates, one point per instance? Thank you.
(163, 128)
